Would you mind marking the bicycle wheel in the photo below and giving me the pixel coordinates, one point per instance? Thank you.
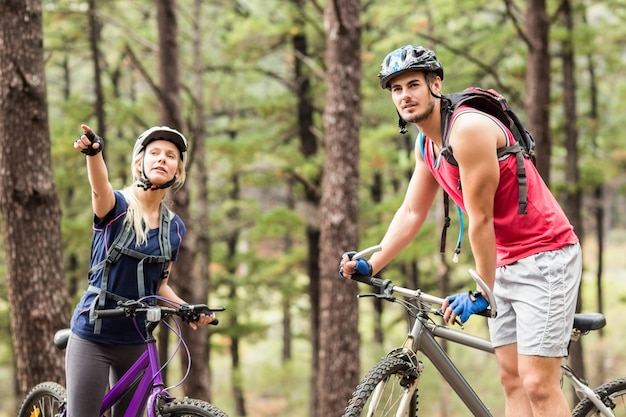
(390, 384)
(182, 407)
(44, 400)
(613, 395)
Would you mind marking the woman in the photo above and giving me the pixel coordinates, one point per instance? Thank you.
(136, 237)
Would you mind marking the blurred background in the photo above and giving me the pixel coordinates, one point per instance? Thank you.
(295, 157)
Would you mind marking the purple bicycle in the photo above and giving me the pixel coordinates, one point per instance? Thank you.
(48, 399)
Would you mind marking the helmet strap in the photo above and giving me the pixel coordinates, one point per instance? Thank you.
(431, 92)
(402, 124)
(146, 184)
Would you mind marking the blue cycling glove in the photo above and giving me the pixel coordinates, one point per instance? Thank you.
(467, 303)
(363, 268)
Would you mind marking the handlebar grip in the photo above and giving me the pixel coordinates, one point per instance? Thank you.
(114, 312)
(204, 309)
(373, 281)
(362, 278)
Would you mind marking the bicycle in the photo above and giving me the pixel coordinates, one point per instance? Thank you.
(48, 399)
(390, 388)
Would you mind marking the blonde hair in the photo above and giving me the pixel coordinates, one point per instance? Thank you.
(136, 213)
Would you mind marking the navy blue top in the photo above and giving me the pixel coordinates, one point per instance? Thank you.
(122, 277)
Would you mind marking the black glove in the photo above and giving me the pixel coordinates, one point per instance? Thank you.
(90, 150)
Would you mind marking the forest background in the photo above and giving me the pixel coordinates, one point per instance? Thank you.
(295, 157)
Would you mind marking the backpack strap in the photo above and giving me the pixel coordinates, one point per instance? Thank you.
(446, 211)
(164, 238)
(517, 149)
(522, 198)
(119, 247)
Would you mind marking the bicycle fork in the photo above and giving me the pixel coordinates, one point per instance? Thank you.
(404, 405)
(583, 391)
(409, 387)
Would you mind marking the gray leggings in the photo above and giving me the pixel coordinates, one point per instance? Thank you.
(90, 367)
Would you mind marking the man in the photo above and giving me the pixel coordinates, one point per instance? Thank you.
(532, 261)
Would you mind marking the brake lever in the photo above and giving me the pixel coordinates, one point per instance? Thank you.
(439, 313)
(384, 296)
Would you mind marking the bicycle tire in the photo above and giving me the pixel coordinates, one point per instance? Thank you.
(189, 407)
(46, 399)
(394, 376)
(613, 394)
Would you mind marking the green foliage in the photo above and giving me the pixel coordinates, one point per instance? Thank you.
(252, 137)
(251, 126)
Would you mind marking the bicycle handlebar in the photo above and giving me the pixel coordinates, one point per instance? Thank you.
(366, 253)
(386, 285)
(187, 312)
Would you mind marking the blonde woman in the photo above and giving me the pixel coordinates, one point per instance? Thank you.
(136, 238)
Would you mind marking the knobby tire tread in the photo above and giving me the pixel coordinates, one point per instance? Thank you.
(44, 400)
(385, 368)
(612, 393)
(190, 407)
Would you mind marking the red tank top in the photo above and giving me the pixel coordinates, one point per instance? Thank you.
(544, 228)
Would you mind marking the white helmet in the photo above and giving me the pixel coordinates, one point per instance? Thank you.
(162, 133)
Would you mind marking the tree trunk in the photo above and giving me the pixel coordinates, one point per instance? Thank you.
(29, 205)
(184, 279)
(95, 27)
(599, 201)
(573, 196)
(538, 83)
(376, 193)
(201, 180)
(308, 148)
(339, 338)
(232, 265)
(287, 292)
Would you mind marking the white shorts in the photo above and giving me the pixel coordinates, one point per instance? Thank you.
(536, 301)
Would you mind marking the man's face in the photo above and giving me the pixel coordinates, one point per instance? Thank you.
(411, 95)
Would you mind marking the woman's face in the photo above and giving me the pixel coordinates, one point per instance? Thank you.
(161, 161)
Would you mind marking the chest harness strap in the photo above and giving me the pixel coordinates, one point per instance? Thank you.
(120, 247)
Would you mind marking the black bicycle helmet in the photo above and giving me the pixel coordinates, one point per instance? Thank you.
(408, 58)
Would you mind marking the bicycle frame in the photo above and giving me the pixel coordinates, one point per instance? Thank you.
(422, 338)
(148, 390)
(145, 372)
